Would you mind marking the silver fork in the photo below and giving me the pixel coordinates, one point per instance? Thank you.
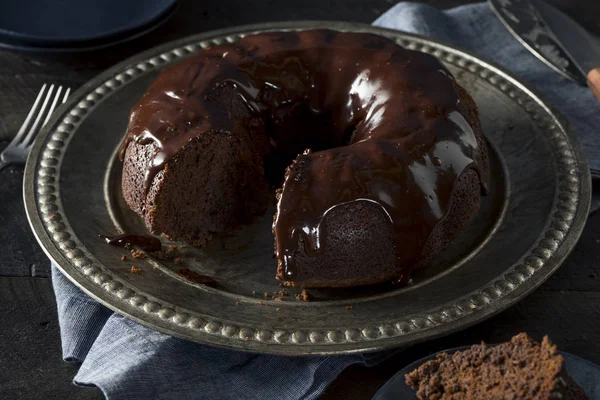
(19, 147)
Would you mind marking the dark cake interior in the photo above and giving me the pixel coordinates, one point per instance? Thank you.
(520, 369)
(376, 150)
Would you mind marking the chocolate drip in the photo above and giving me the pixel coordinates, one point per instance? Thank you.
(195, 277)
(381, 124)
(144, 242)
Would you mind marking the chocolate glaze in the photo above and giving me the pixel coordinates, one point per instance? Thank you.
(195, 277)
(371, 121)
(144, 242)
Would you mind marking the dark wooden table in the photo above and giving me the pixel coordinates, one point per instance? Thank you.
(566, 307)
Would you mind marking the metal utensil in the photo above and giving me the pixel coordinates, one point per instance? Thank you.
(554, 38)
(19, 147)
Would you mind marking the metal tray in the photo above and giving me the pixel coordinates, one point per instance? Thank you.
(539, 200)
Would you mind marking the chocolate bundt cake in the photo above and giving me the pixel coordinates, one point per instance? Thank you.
(519, 369)
(377, 151)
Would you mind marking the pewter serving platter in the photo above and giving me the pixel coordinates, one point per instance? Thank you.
(534, 214)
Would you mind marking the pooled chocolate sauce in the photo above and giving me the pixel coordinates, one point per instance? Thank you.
(371, 121)
(195, 277)
(144, 242)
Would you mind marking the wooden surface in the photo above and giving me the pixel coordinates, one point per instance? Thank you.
(566, 307)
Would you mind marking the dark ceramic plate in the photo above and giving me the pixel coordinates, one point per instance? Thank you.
(585, 373)
(538, 203)
(74, 25)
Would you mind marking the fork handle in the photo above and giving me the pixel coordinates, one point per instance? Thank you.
(593, 81)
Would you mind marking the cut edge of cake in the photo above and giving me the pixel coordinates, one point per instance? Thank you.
(518, 369)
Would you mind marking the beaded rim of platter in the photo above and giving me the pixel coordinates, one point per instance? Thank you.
(44, 203)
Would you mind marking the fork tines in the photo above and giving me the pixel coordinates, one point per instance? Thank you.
(38, 112)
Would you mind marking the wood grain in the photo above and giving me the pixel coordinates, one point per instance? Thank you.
(30, 358)
(21, 255)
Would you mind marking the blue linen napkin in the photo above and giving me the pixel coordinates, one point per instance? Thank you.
(129, 361)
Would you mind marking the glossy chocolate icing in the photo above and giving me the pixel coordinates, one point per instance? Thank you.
(144, 242)
(371, 121)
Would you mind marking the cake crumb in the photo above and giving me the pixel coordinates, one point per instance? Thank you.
(254, 292)
(123, 258)
(278, 309)
(134, 269)
(593, 275)
(246, 338)
(177, 260)
(261, 303)
(138, 254)
(237, 302)
(266, 295)
(304, 296)
(348, 307)
(277, 298)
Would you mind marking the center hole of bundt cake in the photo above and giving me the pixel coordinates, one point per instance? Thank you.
(293, 129)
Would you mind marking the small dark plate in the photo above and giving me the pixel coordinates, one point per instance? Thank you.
(585, 373)
(34, 25)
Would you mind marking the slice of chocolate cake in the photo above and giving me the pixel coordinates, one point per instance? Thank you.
(520, 369)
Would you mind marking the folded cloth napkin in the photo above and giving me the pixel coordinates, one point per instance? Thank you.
(129, 361)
